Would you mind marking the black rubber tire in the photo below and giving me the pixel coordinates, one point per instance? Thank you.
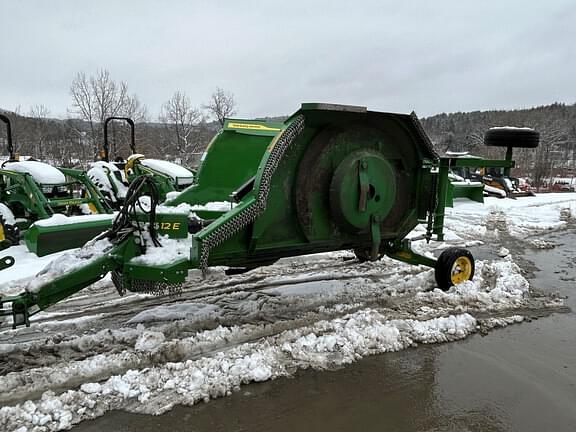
(518, 138)
(445, 263)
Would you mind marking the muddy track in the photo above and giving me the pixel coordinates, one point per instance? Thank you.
(252, 303)
(37, 360)
(102, 301)
(63, 335)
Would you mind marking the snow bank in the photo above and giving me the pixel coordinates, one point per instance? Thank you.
(516, 217)
(154, 390)
(496, 286)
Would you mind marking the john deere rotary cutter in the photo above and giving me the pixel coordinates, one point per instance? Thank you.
(330, 177)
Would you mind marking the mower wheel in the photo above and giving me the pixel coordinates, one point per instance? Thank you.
(512, 137)
(454, 266)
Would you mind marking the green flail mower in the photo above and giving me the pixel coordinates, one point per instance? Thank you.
(329, 178)
(55, 208)
(112, 178)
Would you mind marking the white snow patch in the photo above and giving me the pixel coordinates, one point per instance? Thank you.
(26, 265)
(511, 128)
(179, 174)
(496, 286)
(41, 172)
(222, 206)
(149, 340)
(214, 206)
(519, 217)
(68, 262)
(170, 251)
(108, 178)
(7, 214)
(172, 195)
(60, 219)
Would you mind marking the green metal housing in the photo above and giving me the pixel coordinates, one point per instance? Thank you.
(298, 217)
(230, 161)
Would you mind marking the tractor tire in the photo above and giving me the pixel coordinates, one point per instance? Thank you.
(454, 266)
(512, 137)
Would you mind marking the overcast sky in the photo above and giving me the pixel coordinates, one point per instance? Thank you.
(427, 56)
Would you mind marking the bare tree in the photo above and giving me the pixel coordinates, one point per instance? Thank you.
(181, 120)
(547, 155)
(134, 109)
(40, 129)
(221, 105)
(97, 97)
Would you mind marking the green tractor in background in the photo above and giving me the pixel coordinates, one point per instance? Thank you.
(113, 178)
(331, 177)
(475, 181)
(55, 208)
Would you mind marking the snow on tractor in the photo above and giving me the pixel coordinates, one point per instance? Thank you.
(55, 208)
(113, 178)
(331, 177)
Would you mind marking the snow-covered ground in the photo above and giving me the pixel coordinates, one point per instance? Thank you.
(97, 352)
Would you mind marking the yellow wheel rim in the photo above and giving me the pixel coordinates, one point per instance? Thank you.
(461, 270)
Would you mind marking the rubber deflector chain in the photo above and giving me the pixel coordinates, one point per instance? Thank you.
(156, 288)
(251, 213)
(423, 135)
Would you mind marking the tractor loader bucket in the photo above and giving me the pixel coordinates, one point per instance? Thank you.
(64, 232)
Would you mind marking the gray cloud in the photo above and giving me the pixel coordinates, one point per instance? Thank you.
(432, 57)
